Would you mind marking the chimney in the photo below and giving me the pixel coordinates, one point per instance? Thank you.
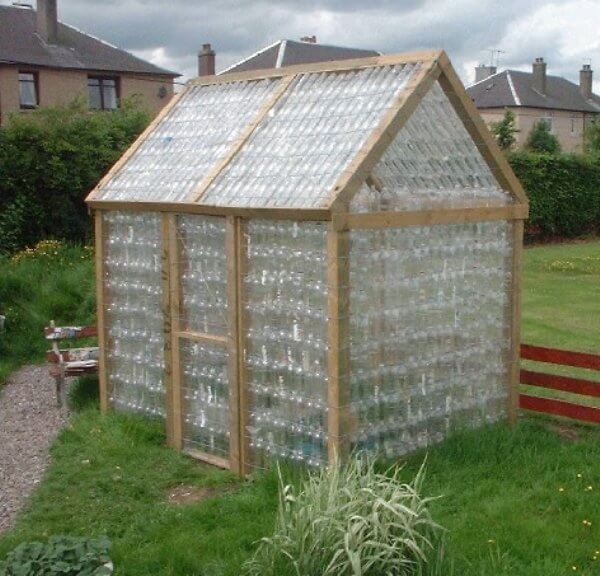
(585, 81)
(309, 39)
(206, 61)
(482, 72)
(539, 76)
(47, 21)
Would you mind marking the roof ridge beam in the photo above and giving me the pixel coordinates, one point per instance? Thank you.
(237, 145)
(315, 67)
(365, 160)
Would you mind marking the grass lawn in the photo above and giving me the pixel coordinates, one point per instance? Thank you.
(514, 501)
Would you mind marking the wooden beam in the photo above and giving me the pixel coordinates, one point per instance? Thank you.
(338, 282)
(377, 220)
(316, 67)
(165, 259)
(475, 126)
(289, 213)
(175, 315)
(244, 399)
(100, 307)
(515, 322)
(233, 339)
(241, 140)
(361, 167)
(116, 167)
(210, 339)
(211, 459)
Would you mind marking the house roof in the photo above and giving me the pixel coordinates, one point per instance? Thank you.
(306, 138)
(291, 52)
(20, 44)
(514, 88)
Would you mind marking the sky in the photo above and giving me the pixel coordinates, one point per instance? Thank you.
(170, 33)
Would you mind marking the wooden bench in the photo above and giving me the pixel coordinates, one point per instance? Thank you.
(70, 362)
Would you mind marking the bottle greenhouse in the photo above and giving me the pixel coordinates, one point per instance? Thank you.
(299, 262)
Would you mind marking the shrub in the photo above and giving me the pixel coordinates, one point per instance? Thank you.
(541, 140)
(49, 160)
(349, 522)
(563, 191)
(62, 555)
(505, 130)
(592, 138)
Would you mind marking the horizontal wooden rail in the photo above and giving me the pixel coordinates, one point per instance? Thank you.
(579, 386)
(560, 408)
(201, 337)
(564, 383)
(561, 357)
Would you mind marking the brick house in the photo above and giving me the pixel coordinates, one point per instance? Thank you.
(534, 97)
(44, 62)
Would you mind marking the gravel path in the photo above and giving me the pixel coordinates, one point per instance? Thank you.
(29, 422)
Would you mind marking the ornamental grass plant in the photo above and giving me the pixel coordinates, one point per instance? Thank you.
(351, 521)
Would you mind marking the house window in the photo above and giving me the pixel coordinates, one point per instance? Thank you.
(28, 90)
(547, 120)
(573, 126)
(103, 92)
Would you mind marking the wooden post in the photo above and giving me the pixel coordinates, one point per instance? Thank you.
(174, 254)
(338, 282)
(165, 259)
(100, 305)
(235, 351)
(515, 322)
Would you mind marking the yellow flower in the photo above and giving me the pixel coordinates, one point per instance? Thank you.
(561, 489)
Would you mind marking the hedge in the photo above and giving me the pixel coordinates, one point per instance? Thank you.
(563, 191)
(49, 161)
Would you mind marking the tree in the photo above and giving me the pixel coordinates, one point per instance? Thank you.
(505, 130)
(540, 139)
(592, 138)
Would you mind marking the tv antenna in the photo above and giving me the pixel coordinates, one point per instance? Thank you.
(495, 56)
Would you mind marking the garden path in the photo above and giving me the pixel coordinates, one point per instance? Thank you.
(29, 422)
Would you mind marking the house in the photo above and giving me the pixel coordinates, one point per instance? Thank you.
(283, 53)
(534, 97)
(45, 62)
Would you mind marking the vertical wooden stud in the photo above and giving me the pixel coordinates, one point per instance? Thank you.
(235, 352)
(100, 307)
(167, 332)
(338, 284)
(174, 254)
(515, 322)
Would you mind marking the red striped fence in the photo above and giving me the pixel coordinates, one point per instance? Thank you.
(578, 386)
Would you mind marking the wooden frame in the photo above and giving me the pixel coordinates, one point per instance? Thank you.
(433, 66)
(100, 306)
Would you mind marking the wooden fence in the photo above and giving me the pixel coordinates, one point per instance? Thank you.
(577, 386)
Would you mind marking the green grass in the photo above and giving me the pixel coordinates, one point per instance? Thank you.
(50, 282)
(561, 296)
(111, 474)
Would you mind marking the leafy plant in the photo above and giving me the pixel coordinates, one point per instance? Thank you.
(49, 160)
(541, 140)
(505, 130)
(592, 138)
(64, 555)
(352, 521)
(563, 191)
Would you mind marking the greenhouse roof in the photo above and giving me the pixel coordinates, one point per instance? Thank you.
(297, 138)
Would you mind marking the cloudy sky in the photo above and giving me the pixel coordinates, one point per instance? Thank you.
(169, 33)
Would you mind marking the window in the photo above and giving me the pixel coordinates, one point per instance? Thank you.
(573, 125)
(28, 90)
(547, 120)
(103, 93)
